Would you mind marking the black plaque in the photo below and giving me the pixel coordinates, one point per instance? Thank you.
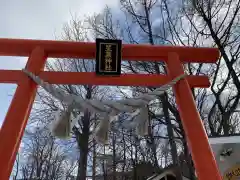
(108, 57)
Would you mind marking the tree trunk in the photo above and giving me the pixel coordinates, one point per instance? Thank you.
(173, 146)
(170, 130)
(82, 165)
(94, 157)
(83, 147)
(114, 158)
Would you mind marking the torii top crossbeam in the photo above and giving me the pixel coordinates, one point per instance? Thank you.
(38, 51)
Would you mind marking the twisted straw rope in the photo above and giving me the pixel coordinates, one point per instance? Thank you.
(106, 108)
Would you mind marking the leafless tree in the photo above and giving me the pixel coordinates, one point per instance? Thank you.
(212, 23)
(41, 157)
(74, 31)
(192, 23)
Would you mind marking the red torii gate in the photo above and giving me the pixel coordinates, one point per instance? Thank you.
(38, 50)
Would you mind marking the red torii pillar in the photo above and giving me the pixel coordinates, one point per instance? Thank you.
(38, 50)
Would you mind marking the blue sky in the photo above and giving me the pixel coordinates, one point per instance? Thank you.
(34, 19)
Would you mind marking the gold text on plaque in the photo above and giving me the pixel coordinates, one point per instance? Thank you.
(108, 57)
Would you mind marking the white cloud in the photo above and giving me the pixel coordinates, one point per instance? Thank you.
(39, 19)
(34, 19)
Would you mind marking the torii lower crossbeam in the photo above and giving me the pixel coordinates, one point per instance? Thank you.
(16, 119)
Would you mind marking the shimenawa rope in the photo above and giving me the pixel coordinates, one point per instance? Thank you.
(108, 110)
